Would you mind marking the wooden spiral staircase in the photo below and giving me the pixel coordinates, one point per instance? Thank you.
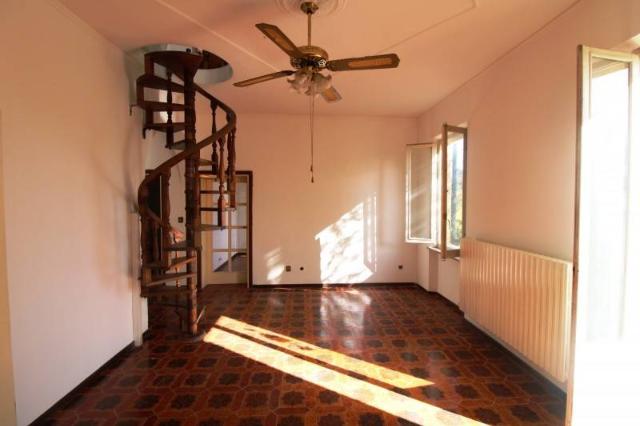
(171, 268)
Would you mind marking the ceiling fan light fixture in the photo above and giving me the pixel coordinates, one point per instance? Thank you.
(300, 81)
(310, 82)
(321, 82)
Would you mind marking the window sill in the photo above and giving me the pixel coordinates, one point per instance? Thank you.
(439, 251)
(418, 241)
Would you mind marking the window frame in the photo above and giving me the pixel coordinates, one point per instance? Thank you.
(439, 181)
(586, 55)
(447, 251)
(408, 192)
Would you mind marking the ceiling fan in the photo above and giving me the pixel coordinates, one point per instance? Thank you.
(309, 61)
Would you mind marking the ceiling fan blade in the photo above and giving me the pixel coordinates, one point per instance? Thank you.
(263, 78)
(278, 37)
(331, 95)
(389, 60)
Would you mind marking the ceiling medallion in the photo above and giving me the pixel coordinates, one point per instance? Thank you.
(327, 7)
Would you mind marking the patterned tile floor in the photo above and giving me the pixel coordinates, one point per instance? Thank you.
(342, 356)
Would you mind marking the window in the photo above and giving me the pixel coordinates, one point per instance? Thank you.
(606, 296)
(453, 167)
(436, 185)
(419, 192)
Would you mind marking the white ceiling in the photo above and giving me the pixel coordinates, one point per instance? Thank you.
(441, 44)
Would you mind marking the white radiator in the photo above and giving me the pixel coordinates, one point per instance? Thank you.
(523, 299)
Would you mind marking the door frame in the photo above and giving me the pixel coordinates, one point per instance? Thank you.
(249, 174)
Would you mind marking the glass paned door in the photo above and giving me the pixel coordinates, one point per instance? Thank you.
(226, 251)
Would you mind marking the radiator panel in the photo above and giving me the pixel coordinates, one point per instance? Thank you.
(524, 299)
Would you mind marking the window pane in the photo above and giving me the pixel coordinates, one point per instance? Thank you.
(220, 263)
(419, 169)
(239, 239)
(220, 239)
(241, 190)
(239, 262)
(455, 188)
(239, 216)
(604, 198)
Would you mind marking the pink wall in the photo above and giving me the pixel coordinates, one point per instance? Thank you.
(7, 393)
(521, 114)
(346, 227)
(72, 159)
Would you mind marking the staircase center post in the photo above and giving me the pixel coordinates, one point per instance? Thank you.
(192, 193)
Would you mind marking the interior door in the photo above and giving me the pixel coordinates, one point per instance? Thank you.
(226, 252)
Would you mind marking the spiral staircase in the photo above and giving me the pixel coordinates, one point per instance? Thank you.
(171, 266)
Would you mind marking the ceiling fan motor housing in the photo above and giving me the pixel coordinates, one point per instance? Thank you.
(314, 57)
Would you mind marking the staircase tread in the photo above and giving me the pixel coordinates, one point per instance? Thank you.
(209, 227)
(155, 82)
(178, 61)
(169, 277)
(176, 127)
(215, 209)
(180, 145)
(181, 246)
(161, 106)
(205, 162)
(175, 262)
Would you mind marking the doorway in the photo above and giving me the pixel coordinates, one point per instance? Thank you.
(226, 252)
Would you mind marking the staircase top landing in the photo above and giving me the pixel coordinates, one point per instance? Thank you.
(210, 68)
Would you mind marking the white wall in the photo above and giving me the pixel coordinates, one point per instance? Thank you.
(348, 226)
(521, 114)
(72, 161)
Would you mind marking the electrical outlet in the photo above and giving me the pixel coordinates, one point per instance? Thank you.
(287, 268)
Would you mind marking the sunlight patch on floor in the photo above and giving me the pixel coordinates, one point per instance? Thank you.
(345, 362)
(375, 396)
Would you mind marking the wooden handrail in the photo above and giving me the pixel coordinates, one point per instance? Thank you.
(190, 150)
(156, 232)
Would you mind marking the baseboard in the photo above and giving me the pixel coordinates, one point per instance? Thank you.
(536, 370)
(441, 297)
(560, 386)
(336, 285)
(67, 399)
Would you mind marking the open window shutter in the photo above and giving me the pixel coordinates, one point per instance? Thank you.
(606, 289)
(452, 134)
(419, 193)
